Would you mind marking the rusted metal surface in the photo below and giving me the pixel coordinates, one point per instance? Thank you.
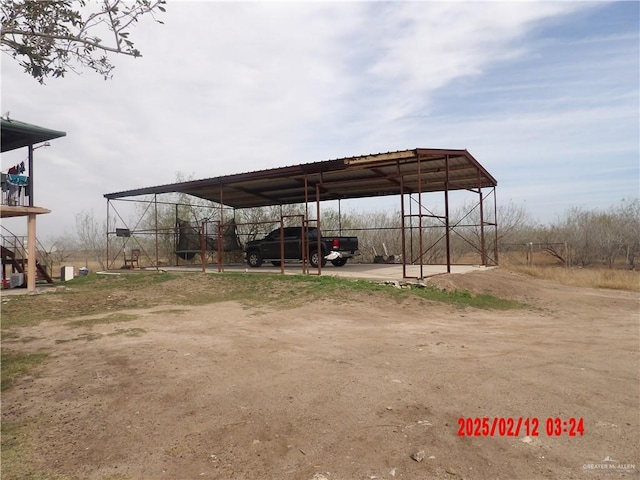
(366, 176)
(446, 216)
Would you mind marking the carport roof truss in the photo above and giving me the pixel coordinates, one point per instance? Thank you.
(392, 173)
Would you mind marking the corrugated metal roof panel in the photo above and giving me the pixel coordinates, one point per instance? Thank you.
(379, 174)
(16, 134)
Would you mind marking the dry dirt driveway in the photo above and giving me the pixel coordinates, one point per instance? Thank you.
(343, 389)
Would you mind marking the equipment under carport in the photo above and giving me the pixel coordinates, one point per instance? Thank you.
(190, 239)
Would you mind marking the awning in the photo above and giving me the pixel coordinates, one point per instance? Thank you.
(17, 134)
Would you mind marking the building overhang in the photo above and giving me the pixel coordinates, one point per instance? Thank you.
(16, 134)
(7, 211)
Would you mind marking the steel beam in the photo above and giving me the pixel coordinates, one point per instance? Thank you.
(483, 251)
(446, 214)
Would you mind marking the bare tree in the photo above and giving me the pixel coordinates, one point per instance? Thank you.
(92, 236)
(258, 221)
(62, 248)
(596, 237)
(48, 37)
(513, 220)
(628, 220)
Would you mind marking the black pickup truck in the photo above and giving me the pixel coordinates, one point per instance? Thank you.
(335, 249)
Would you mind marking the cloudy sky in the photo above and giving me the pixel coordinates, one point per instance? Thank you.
(545, 95)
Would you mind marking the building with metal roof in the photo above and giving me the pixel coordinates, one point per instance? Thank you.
(402, 173)
(18, 192)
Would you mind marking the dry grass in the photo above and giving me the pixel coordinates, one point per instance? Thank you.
(112, 318)
(585, 277)
(15, 364)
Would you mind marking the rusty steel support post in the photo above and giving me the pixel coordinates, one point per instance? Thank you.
(495, 223)
(402, 231)
(107, 264)
(446, 214)
(303, 244)
(483, 251)
(411, 227)
(221, 229)
(319, 232)
(155, 199)
(420, 216)
(281, 242)
(305, 228)
(203, 246)
(176, 236)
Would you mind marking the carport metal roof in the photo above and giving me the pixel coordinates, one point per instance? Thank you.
(392, 173)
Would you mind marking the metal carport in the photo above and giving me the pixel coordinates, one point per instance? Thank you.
(405, 172)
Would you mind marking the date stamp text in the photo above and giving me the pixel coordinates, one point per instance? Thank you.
(520, 426)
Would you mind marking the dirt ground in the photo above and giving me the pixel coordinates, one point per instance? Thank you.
(342, 389)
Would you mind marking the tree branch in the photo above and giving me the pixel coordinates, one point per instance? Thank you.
(70, 38)
(48, 37)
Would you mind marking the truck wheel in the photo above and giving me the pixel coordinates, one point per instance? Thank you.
(313, 259)
(254, 259)
(339, 262)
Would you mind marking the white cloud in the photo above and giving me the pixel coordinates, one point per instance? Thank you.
(434, 43)
(233, 87)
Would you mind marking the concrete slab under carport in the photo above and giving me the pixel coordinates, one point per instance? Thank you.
(377, 272)
(362, 271)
